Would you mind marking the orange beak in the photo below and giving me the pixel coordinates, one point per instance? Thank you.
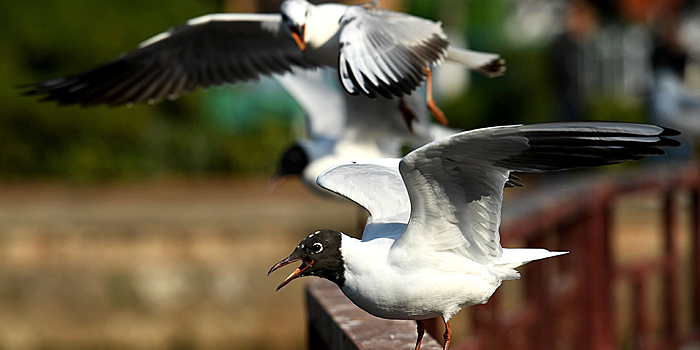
(297, 273)
(299, 37)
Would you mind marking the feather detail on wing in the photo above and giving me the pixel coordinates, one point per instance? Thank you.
(385, 52)
(456, 185)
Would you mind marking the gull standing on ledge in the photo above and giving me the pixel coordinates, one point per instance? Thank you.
(431, 245)
(376, 51)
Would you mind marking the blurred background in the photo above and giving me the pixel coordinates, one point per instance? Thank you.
(149, 227)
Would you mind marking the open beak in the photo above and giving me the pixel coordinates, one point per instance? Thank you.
(298, 35)
(305, 263)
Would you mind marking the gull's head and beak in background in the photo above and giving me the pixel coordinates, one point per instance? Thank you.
(294, 16)
(293, 162)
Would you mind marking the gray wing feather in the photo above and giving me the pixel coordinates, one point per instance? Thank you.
(205, 51)
(456, 185)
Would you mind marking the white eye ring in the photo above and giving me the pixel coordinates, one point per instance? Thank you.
(317, 247)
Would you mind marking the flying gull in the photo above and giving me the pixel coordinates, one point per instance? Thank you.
(342, 127)
(375, 51)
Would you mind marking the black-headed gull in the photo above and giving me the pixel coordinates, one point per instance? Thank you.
(343, 127)
(376, 51)
(431, 245)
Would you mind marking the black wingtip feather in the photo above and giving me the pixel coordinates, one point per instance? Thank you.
(564, 146)
(670, 132)
(666, 142)
(201, 55)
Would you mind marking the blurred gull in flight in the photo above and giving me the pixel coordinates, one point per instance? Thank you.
(342, 127)
(375, 51)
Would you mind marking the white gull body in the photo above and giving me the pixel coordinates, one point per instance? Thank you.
(431, 245)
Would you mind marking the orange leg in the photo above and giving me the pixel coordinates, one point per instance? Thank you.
(447, 336)
(434, 109)
(421, 331)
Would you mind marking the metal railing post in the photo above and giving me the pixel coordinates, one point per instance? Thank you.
(598, 273)
(670, 268)
(695, 256)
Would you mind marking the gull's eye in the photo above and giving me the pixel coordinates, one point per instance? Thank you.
(317, 248)
(285, 19)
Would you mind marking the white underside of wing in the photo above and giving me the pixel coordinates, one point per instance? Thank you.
(323, 103)
(376, 185)
(269, 22)
(231, 17)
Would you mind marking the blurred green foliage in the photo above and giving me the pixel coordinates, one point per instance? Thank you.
(523, 94)
(607, 107)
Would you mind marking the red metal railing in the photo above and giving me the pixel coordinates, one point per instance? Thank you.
(568, 302)
(570, 305)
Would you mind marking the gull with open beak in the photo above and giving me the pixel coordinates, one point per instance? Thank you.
(431, 245)
(375, 51)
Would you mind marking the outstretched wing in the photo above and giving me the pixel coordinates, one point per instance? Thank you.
(456, 185)
(376, 185)
(386, 52)
(205, 51)
(322, 101)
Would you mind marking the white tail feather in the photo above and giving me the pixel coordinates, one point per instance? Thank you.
(513, 258)
(489, 64)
